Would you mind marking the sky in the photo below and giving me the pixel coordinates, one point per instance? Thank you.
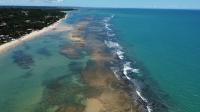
(169, 4)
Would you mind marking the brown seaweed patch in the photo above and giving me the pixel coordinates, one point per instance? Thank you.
(71, 53)
(64, 94)
(70, 109)
(74, 51)
(94, 105)
(97, 75)
(77, 38)
(112, 97)
(116, 101)
(22, 59)
(77, 34)
(78, 42)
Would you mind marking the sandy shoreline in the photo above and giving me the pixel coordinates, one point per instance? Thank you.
(12, 44)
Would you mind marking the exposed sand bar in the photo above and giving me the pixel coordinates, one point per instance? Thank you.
(12, 44)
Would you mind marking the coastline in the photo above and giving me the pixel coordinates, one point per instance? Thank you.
(98, 65)
(108, 62)
(12, 44)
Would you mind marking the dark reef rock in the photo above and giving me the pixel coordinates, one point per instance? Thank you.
(76, 67)
(22, 59)
(61, 92)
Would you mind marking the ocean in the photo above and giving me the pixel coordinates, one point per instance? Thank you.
(166, 44)
(120, 60)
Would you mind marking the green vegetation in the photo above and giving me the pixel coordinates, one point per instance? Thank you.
(16, 22)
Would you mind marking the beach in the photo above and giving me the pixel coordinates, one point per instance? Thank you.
(80, 78)
(5, 47)
(94, 64)
(94, 60)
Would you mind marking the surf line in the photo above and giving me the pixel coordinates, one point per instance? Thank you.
(126, 66)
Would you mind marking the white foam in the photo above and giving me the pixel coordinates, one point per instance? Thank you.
(140, 95)
(149, 108)
(112, 44)
(107, 26)
(110, 34)
(118, 49)
(127, 67)
(135, 70)
(107, 19)
(120, 54)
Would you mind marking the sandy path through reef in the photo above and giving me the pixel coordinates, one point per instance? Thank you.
(107, 94)
(5, 47)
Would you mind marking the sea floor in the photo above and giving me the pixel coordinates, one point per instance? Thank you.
(62, 71)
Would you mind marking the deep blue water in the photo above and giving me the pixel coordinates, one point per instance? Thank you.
(166, 45)
(157, 51)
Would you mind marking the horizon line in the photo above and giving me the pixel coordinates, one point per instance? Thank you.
(153, 8)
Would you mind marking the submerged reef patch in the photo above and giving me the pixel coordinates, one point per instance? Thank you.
(75, 67)
(44, 51)
(63, 95)
(22, 59)
(77, 38)
(71, 53)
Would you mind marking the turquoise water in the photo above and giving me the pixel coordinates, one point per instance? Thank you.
(167, 44)
(31, 71)
(164, 45)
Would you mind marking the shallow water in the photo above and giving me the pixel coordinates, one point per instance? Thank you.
(119, 60)
(28, 70)
(163, 46)
(62, 71)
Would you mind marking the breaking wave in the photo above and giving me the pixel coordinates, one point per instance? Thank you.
(124, 68)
